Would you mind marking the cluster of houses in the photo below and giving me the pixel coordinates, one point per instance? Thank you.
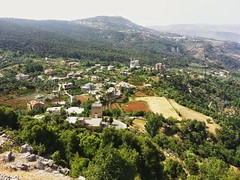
(93, 87)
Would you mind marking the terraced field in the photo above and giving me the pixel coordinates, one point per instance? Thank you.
(160, 105)
(187, 113)
(170, 108)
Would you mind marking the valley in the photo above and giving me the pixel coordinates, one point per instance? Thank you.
(104, 98)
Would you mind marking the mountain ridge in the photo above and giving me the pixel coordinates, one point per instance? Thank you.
(220, 32)
(101, 36)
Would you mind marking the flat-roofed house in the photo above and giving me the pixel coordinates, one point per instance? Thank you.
(94, 122)
(76, 120)
(96, 110)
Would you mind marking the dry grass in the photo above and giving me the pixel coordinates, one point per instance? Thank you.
(169, 108)
(139, 125)
(140, 94)
(82, 98)
(16, 101)
(187, 113)
(160, 105)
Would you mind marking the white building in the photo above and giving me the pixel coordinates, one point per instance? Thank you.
(22, 76)
(94, 122)
(67, 85)
(124, 85)
(111, 68)
(74, 119)
(134, 64)
(88, 86)
(74, 110)
(160, 67)
(54, 109)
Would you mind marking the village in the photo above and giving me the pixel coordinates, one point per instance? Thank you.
(98, 86)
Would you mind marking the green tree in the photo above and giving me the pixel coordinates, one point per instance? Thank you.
(8, 117)
(108, 164)
(154, 122)
(89, 144)
(213, 169)
(78, 165)
(174, 169)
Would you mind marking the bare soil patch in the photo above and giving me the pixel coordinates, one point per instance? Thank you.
(136, 106)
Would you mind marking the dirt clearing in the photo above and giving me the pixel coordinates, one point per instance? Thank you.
(136, 106)
(160, 105)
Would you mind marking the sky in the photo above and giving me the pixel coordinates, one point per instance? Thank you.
(142, 12)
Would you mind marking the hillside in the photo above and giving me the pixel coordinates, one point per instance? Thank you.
(112, 39)
(110, 23)
(220, 32)
(186, 122)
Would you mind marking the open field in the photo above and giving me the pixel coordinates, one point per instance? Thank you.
(169, 108)
(187, 113)
(160, 105)
(139, 125)
(16, 101)
(82, 98)
(136, 106)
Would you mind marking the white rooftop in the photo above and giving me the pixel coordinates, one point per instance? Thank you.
(119, 125)
(73, 110)
(54, 109)
(74, 119)
(94, 122)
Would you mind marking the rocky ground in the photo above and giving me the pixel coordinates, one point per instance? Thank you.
(27, 165)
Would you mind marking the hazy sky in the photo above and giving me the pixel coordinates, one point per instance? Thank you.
(142, 12)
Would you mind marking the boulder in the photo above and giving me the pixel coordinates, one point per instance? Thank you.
(48, 170)
(31, 158)
(26, 148)
(9, 156)
(54, 167)
(22, 166)
(81, 178)
(4, 135)
(7, 177)
(64, 171)
(40, 165)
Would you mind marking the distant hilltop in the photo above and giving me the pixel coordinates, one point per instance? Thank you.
(220, 32)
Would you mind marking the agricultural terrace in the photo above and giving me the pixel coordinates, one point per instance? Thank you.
(160, 105)
(187, 113)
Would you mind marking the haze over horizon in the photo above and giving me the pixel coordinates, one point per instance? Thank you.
(145, 13)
